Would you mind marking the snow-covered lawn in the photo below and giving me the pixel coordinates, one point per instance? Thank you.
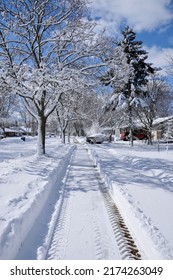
(26, 182)
(140, 179)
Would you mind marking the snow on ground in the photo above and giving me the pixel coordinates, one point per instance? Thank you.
(83, 230)
(140, 179)
(26, 182)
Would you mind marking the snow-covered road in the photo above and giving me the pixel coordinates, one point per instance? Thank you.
(83, 229)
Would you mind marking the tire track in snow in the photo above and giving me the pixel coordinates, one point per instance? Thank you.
(104, 249)
(89, 224)
(126, 244)
(153, 236)
(60, 239)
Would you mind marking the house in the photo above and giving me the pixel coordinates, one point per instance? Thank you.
(25, 130)
(8, 132)
(139, 132)
(161, 127)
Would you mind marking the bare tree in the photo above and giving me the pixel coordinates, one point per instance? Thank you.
(44, 43)
(27, 120)
(158, 104)
(7, 104)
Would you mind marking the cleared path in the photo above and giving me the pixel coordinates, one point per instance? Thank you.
(83, 229)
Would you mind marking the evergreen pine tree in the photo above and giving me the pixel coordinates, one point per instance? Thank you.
(135, 88)
(136, 74)
(136, 57)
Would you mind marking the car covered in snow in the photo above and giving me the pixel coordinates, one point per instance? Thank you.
(97, 138)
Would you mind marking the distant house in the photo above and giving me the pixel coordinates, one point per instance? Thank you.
(159, 128)
(139, 131)
(25, 131)
(8, 132)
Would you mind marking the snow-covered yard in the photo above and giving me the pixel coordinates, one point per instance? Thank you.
(140, 180)
(26, 182)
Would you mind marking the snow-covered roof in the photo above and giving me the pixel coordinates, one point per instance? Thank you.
(25, 129)
(156, 122)
(11, 130)
(162, 120)
(136, 124)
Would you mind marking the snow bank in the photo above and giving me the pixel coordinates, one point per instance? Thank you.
(17, 224)
(147, 235)
(43, 249)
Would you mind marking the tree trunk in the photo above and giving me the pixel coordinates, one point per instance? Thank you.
(131, 136)
(63, 135)
(130, 126)
(41, 136)
(68, 132)
(149, 138)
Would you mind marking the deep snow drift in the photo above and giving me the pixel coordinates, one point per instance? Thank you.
(139, 178)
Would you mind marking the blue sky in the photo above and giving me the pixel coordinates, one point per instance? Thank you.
(152, 20)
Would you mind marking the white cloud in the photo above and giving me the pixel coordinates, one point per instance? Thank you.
(141, 15)
(160, 57)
